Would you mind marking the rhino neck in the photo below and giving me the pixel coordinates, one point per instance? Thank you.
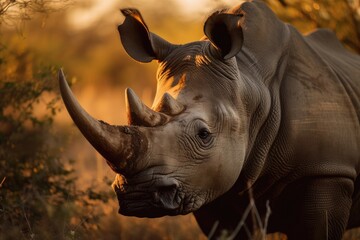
(262, 63)
(264, 120)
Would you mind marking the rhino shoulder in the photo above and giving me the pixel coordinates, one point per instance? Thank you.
(325, 39)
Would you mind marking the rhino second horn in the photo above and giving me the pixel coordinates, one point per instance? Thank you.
(169, 105)
(141, 115)
(119, 145)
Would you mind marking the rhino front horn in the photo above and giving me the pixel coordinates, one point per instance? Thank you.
(119, 145)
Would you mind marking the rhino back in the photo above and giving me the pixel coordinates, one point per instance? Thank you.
(320, 98)
(344, 64)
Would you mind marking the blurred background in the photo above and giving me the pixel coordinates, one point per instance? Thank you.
(53, 184)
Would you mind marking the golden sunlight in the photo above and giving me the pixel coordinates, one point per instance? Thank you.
(87, 14)
(58, 179)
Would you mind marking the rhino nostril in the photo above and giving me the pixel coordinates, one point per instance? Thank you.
(156, 197)
(166, 196)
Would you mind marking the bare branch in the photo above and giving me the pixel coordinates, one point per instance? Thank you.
(2, 182)
(267, 216)
(242, 221)
(6, 7)
(213, 230)
(13, 10)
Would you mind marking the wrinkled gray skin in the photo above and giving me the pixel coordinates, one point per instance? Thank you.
(253, 105)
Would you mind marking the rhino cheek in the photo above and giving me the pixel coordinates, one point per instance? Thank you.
(222, 172)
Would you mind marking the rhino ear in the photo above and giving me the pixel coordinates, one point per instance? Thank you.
(225, 33)
(138, 42)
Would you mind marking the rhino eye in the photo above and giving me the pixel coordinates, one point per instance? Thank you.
(204, 134)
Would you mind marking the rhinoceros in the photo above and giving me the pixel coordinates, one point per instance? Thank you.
(253, 108)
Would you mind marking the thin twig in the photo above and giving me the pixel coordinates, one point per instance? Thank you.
(6, 7)
(2, 182)
(27, 221)
(241, 223)
(213, 229)
(257, 216)
(267, 216)
(327, 225)
(254, 218)
(247, 231)
(259, 224)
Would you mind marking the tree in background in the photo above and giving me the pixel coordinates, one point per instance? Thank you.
(38, 195)
(342, 16)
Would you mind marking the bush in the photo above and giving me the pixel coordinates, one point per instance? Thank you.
(38, 195)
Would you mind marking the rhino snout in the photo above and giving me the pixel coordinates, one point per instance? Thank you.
(154, 198)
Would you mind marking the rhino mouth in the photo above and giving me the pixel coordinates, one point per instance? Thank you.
(155, 198)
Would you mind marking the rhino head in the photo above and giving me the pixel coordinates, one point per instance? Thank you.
(190, 146)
